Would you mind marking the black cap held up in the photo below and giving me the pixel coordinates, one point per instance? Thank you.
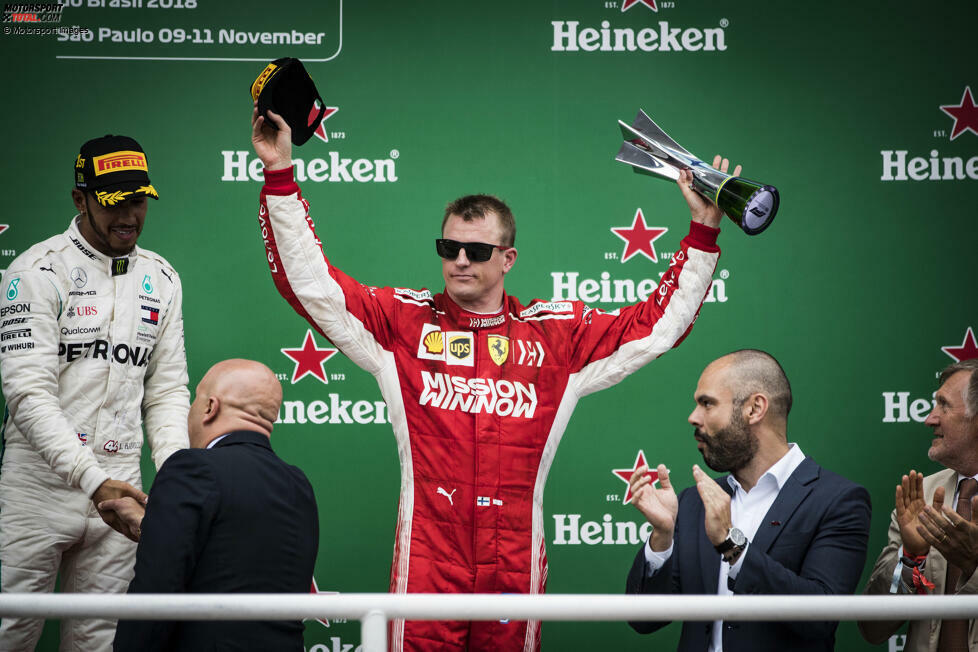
(114, 169)
(286, 88)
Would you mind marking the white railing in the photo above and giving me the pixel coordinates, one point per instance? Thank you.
(375, 609)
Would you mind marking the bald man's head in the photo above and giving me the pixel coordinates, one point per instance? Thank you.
(751, 371)
(234, 394)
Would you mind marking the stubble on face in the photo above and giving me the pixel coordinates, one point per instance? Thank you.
(115, 230)
(474, 285)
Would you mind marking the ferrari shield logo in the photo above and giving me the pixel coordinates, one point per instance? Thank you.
(498, 348)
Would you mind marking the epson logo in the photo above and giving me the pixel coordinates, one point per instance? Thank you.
(474, 395)
(14, 308)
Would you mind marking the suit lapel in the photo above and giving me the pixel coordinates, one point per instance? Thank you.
(709, 557)
(794, 491)
(936, 563)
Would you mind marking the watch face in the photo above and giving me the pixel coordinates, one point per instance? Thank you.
(737, 537)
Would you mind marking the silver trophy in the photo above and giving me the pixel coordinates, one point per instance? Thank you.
(651, 151)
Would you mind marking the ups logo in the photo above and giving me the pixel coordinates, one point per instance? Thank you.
(460, 347)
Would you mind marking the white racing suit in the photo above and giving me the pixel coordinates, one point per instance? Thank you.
(90, 347)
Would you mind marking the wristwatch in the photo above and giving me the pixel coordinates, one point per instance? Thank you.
(733, 544)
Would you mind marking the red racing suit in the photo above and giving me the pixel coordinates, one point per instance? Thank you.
(478, 404)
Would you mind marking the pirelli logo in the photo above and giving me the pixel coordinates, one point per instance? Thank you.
(119, 161)
(263, 78)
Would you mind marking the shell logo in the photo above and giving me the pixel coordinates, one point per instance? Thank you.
(434, 342)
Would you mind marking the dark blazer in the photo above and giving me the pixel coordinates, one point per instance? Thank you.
(230, 519)
(812, 541)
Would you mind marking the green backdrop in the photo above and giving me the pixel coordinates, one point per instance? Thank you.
(859, 287)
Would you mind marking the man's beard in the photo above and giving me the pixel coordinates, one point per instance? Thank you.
(731, 448)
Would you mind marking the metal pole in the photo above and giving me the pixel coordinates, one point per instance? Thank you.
(373, 631)
(420, 606)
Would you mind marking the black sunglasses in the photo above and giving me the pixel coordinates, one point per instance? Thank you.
(477, 252)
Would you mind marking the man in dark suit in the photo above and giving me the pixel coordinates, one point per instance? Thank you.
(225, 516)
(778, 524)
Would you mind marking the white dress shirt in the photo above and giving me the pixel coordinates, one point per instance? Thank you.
(215, 440)
(747, 511)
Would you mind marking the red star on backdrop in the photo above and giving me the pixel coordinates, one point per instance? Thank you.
(967, 350)
(639, 238)
(4, 227)
(965, 114)
(625, 474)
(628, 4)
(320, 130)
(315, 591)
(309, 359)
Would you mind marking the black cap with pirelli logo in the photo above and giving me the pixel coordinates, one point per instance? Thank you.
(286, 88)
(114, 169)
